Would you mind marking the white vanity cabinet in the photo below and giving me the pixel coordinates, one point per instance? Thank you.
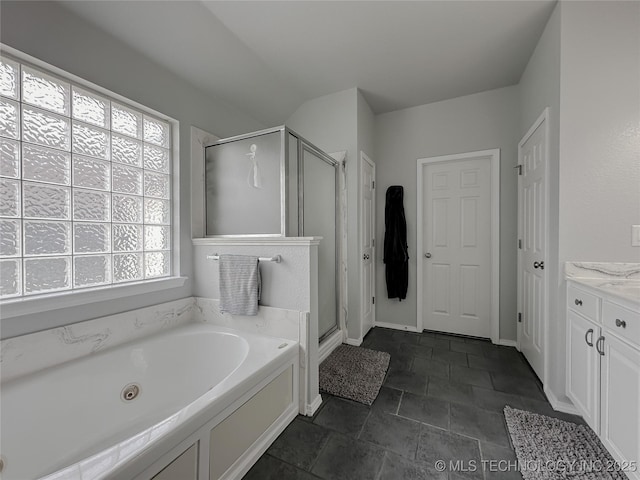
(603, 369)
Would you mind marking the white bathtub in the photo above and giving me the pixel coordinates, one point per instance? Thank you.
(71, 422)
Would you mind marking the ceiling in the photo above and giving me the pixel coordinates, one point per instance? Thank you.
(268, 57)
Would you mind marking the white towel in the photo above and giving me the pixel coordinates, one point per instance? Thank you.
(239, 284)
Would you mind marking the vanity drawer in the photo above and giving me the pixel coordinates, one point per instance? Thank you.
(621, 321)
(583, 302)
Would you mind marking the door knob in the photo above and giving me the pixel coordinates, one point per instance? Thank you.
(365, 257)
(539, 265)
(427, 255)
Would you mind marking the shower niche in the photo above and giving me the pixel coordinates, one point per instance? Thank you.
(274, 183)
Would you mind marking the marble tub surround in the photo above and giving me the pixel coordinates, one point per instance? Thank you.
(274, 322)
(36, 351)
(621, 280)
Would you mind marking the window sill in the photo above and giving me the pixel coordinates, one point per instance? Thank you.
(54, 301)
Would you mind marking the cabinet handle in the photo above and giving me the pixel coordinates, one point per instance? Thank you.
(578, 302)
(621, 323)
(600, 339)
(586, 335)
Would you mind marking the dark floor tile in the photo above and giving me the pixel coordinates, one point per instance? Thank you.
(517, 386)
(466, 347)
(434, 342)
(427, 333)
(392, 433)
(396, 467)
(344, 416)
(477, 423)
(478, 341)
(430, 367)
(455, 358)
(401, 360)
(450, 391)
(406, 337)
(270, 468)
(505, 367)
(420, 351)
(300, 443)
(489, 399)
(499, 463)
(344, 458)
(436, 444)
(407, 381)
(470, 376)
(379, 333)
(545, 408)
(387, 401)
(499, 352)
(425, 409)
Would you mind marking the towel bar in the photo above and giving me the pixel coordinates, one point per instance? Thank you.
(276, 258)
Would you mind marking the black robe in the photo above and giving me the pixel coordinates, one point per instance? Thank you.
(396, 256)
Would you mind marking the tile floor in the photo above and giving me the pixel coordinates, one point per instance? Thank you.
(442, 399)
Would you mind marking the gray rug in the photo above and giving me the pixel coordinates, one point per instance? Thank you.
(550, 449)
(355, 373)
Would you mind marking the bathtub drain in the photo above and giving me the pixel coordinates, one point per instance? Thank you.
(130, 392)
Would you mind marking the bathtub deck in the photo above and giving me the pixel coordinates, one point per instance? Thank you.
(442, 399)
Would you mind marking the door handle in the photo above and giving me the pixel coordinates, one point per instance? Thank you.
(600, 339)
(621, 323)
(586, 335)
(539, 265)
(427, 255)
(365, 257)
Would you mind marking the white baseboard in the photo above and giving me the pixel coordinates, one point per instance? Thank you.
(329, 345)
(395, 326)
(313, 407)
(560, 406)
(508, 343)
(356, 342)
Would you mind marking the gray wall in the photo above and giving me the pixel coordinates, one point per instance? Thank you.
(476, 122)
(330, 123)
(540, 88)
(47, 31)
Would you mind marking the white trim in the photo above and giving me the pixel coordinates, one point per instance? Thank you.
(256, 241)
(544, 117)
(395, 326)
(329, 345)
(311, 408)
(356, 342)
(508, 343)
(72, 298)
(365, 159)
(565, 407)
(494, 155)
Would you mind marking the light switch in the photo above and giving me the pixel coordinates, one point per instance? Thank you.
(635, 235)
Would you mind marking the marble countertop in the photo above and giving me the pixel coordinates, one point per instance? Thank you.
(620, 280)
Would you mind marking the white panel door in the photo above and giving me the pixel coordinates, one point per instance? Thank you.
(533, 224)
(583, 365)
(367, 242)
(620, 401)
(457, 247)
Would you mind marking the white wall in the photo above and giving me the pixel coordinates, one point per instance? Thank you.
(47, 31)
(476, 122)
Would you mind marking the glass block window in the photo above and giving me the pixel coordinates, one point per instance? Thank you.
(85, 187)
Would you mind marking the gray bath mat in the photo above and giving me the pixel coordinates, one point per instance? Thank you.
(550, 449)
(355, 373)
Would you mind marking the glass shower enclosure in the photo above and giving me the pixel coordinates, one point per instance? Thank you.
(275, 183)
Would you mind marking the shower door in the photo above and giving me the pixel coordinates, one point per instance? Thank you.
(317, 217)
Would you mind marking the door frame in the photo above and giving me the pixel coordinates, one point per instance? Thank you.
(365, 159)
(544, 117)
(494, 155)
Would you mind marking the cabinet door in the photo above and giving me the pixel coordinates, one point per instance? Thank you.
(621, 400)
(185, 467)
(583, 368)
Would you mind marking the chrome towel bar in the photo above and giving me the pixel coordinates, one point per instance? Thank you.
(276, 258)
